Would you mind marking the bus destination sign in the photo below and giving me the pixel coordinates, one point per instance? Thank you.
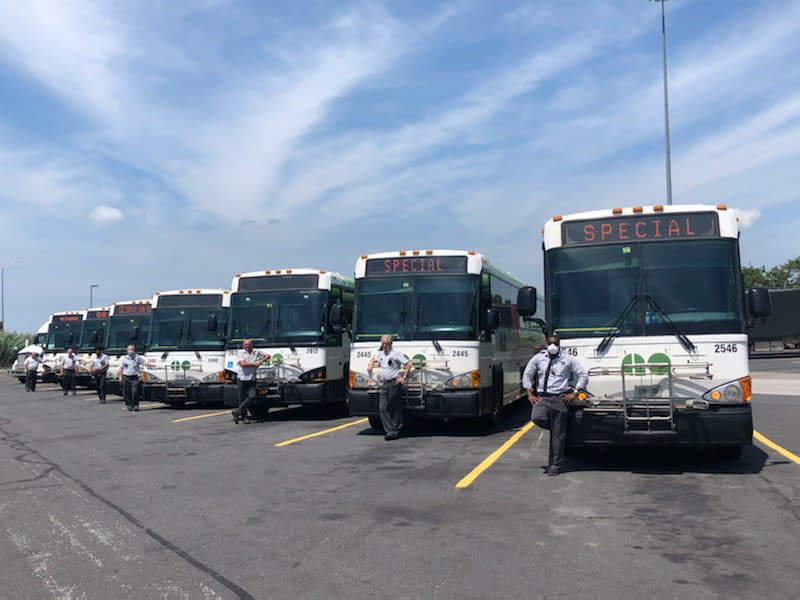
(642, 228)
(97, 314)
(417, 265)
(133, 309)
(67, 318)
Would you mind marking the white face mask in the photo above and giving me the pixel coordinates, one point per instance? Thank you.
(552, 349)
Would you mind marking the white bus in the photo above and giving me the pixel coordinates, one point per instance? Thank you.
(650, 299)
(454, 315)
(129, 323)
(93, 334)
(63, 331)
(39, 339)
(186, 347)
(285, 312)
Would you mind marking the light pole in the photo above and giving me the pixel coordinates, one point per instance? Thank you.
(666, 101)
(2, 298)
(91, 289)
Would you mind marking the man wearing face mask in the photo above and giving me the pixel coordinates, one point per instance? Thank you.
(552, 370)
(390, 405)
(129, 369)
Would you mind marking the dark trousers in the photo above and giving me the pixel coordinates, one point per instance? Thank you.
(390, 406)
(30, 381)
(68, 381)
(130, 390)
(100, 384)
(551, 413)
(247, 393)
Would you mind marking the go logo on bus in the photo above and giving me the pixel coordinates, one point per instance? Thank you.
(659, 358)
(177, 365)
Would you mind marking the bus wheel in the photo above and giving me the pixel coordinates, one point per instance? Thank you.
(493, 418)
(259, 412)
(730, 452)
(375, 423)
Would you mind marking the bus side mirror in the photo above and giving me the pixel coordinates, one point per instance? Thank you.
(760, 302)
(68, 339)
(134, 335)
(212, 323)
(492, 319)
(336, 318)
(93, 337)
(526, 301)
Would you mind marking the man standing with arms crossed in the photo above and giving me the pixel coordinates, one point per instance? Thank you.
(69, 365)
(390, 405)
(553, 368)
(98, 365)
(249, 361)
(31, 370)
(129, 368)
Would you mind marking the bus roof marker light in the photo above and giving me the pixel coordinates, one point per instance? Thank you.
(658, 208)
(415, 253)
(722, 207)
(471, 252)
(402, 253)
(557, 218)
(616, 211)
(428, 252)
(638, 209)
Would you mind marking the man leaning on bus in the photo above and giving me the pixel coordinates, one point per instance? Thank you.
(552, 369)
(390, 405)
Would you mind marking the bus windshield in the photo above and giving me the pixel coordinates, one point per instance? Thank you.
(694, 283)
(122, 328)
(63, 335)
(424, 307)
(278, 317)
(186, 329)
(93, 334)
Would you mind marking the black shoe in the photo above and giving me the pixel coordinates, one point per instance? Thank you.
(235, 414)
(391, 437)
(136, 407)
(65, 393)
(130, 408)
(552, 471)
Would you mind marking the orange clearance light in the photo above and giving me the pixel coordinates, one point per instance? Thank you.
(558, 218)
(415, 253)
(277, 271)
(747, 388)
(658, 208)
(638, 209)
(288, 270)
(716, 395)
(402, 252)
(471, 252)
(616, 211)
(428, 252)
(238, 275)
(363, 256)
(322, 272)
(476, 378)
(722, 206)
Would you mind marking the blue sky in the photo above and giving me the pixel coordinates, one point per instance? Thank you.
(159, 145)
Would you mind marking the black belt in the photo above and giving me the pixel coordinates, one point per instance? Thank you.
(567, 391)
(131, 376)
(69, 370)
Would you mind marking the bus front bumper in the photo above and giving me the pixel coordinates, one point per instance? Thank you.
(720, 425)
(306, 394)
(459, 404)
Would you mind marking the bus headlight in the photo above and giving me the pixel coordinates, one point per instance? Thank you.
(215, 377)
(149, 377)
(359, 380)
(314, 376)
(465, 381)
(733, 392)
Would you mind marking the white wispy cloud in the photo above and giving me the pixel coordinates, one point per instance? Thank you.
(106, 215)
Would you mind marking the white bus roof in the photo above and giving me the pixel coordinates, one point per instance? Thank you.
(326, 278)
(43, 329)
(62, 313)
(552, 233)
(226, 295)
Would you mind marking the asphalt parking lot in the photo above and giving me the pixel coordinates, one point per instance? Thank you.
(97, 502)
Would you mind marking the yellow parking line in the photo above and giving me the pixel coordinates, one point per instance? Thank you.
(203, 416)
(467, 480)
(318, 433)
(780, 450)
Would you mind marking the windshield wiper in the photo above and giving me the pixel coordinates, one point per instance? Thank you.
(279, 329)
(401, 319)
(606, 341)
(421, 319)
(685, 341)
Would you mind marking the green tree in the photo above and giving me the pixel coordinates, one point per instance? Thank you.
(10, 342)
(781, 277)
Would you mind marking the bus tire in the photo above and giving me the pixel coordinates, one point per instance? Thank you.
(730, 452)
(375, 423)
(259, 412)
